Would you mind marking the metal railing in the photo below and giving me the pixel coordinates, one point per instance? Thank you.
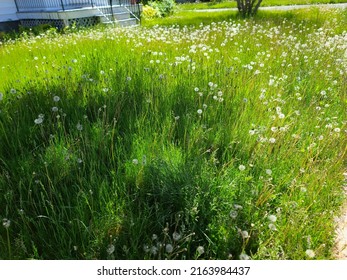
(55, 5)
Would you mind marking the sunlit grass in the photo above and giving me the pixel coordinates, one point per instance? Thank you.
(209, 140)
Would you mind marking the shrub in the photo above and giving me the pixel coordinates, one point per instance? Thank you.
(148, 12)
(164, 7)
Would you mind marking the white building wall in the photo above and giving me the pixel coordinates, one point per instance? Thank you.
(7, 10)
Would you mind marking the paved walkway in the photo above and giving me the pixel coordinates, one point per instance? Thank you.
(282, 8)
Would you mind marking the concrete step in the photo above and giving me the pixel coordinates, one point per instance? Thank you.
(117, 16)
(116, 9)
(128, 22)
(123, 22)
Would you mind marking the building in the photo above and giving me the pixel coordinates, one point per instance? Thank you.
(8, 15)
(61, 13)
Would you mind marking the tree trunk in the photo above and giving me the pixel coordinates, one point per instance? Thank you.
(248, 8)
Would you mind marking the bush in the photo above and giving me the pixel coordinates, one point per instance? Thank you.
(164, 7)
(148, 12)
(167, 7)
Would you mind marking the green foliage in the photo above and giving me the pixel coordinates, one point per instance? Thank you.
(149, 12)
(212, 141)
(163, 8)
(36, 30)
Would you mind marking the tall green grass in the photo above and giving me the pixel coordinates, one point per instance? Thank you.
(214, 141)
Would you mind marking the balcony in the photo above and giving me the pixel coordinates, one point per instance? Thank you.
(61, 13)
(64, 5)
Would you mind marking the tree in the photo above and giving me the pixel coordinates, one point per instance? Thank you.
(248, 8)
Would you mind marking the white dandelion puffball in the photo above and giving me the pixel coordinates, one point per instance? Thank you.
(79, 127)
(272, 218)
(6, 223)
(310, 253)
(176, 236)
(242, 167)
(168, 248)
(233, 214)
(56, 98)
(272, 227)
(110, 249)
(268, 171)
(200, 250)
(244, 257)
(244, 234)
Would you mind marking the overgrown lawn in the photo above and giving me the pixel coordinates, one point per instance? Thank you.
(219, 140)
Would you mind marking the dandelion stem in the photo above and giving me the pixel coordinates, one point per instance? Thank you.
(8, 243)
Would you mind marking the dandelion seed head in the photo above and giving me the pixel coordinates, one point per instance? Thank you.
(272, 218)
(176, 236)
(146, 248)
(310, 253)
(56, 98)
(233, 214)
(244, 257)
(79, 127)
(244, 234)
(303, 189)
(39, 120)
(272, 226)
(238, 207)
(135, 161)
(200, 250)
(154, 250)
(6, 223)
(168, 248)
(242, 167)
(199, 111)
(268, 171)
(110, 249)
